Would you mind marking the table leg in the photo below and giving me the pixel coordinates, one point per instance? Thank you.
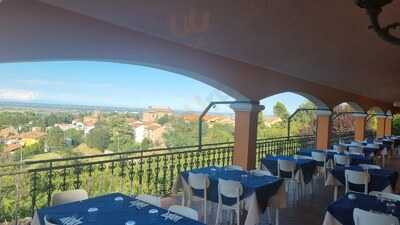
(335, 193)
(277, 216)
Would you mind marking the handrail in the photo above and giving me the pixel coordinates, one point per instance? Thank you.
(299, 110)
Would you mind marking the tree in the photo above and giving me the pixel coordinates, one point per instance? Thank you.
(396, 124)
(55, 138)
(75, 135)
(98, 138)
(163, 120)
(281, 111)
(181, 133)
(146, 144)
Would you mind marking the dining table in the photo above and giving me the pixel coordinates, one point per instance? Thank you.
(355, 159)
(382, 180)
(259, 192)
(304, 172)
(341, 211)
(110, 209)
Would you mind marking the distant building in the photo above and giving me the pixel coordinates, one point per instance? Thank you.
(152, 114)
(270, 120)
(8, 132)
(152, 131)
(209, 119)
(12, 147)
(89, 123)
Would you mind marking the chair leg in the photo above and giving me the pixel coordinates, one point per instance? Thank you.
(218, 213)
(238, 214)
(205, 211)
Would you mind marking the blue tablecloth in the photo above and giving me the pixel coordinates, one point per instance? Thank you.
(379, 178)
(343, 208)
(109, 212)
(308, 166)
(354, 159)
(264, 186)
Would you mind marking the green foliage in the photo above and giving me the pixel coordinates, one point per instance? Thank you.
(396, 124)
(75, 135)
(29, 151)
(281, 111)
(98, 138)
(146, 144)
(55, 139)
(164, 119)
(181, 133)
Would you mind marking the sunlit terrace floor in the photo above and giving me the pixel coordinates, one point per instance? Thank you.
(309, 211)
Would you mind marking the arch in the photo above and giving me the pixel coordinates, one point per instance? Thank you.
(355, 107)
(377, 110)
(315, 100)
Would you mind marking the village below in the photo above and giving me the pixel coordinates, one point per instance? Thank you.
(42, 134)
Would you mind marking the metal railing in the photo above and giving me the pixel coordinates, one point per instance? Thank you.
(30, 185)
(346, 136)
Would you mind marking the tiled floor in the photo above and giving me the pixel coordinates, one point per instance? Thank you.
(309, 211)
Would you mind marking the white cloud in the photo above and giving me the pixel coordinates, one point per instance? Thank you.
(17, 95)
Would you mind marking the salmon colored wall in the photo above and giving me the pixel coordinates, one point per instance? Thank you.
(359, 128)
(323, 131)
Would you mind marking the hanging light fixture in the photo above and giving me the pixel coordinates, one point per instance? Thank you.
(374, 8)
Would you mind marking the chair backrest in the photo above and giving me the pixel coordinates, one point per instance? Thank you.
(355, 143)
(151, 199)
(342, 160)
(386, 195)
(369, 166)
(260, 173)
(230, 188)
(362, 217)
(233, 167)
(198, 181)
(286, 166)
(356, 177)
(370, 145)
(184, 211)
(302, 157)
(318, 156)
(339, 148)
(356, 150)
(68, 197)
(47, 222)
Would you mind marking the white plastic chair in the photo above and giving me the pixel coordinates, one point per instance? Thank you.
(289, 166)
(356, 150)
(339, 148)
(229, 189)
(151, 199)
(184, 211)
(369, 167)
(68, 197)
(302, 157)
(362, 217)
(342, 160)
(47, 222)
(385, 195)
(355, 143)
(356, 177)
(199, 182)
(260, 173)
(233, 167)
(320, 157)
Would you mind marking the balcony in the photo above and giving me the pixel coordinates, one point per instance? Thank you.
(29, 186)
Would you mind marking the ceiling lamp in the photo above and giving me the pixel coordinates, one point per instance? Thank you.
(374, 9)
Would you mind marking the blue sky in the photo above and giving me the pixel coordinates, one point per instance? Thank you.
(112, 84)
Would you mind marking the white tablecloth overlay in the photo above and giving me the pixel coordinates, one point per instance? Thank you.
(329, 219)
(250, 203)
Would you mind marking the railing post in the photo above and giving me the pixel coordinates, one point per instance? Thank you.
(246, 121)
(323, 128)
